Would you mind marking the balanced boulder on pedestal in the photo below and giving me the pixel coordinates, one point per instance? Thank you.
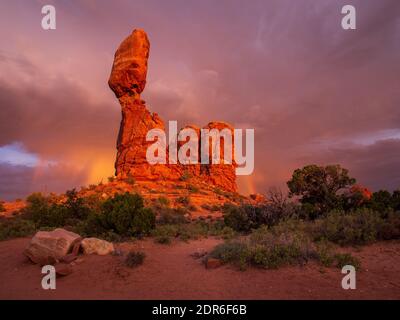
(127, 81)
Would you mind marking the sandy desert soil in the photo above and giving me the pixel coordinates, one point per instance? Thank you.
(169, 272)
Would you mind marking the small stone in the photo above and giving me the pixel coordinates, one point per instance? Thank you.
(213, 263)
(68, 258)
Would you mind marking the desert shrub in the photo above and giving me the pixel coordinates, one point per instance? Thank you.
(324, 253)
(134, 259)
(266, 248)
(2, 208)
(327, 257)
(343, 259)
(273, 257)
(163, 202)
(164, 233)
(236, 218)
(184, 232)
(126, 215)
(390, 227)
(292, 225)
(185, 176)
(123, 215)
(16, 227)
(227, 233)
(246, 217)
(185, 201)
(75, 205)
(93, 202)
(234, 252)
(396, 200)
(94, 226)
(355, 228)
(46, 212)
(111, 236)
(130, 179)
(309, 211)
(193, 231)
(381, 201)
(111, 179)
(171, 216)
(193, 188)
(281, 245)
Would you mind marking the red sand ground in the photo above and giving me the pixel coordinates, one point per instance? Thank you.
(169, 272)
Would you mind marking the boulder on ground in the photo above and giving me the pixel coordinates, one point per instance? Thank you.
(47, 247)
(96, 246)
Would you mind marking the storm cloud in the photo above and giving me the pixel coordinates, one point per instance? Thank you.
(314, 92)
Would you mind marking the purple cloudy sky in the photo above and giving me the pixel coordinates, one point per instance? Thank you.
(313, 92)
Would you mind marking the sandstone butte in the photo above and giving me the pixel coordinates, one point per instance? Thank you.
(127, 81)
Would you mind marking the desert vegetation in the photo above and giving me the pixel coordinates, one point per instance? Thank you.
(134, 258)
(323, 211)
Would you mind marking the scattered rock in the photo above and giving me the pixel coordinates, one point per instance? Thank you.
(79, 261)
(68, 258)
(212, 263)
(63, 269)
(96, 246)
(47, 247)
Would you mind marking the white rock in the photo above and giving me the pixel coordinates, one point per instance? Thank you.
(96, 246)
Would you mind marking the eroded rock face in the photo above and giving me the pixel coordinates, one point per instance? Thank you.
(47, 247)
(128, 80)
(129, 70)
(221, 175)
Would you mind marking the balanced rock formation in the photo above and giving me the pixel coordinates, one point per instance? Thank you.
(127, 81)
